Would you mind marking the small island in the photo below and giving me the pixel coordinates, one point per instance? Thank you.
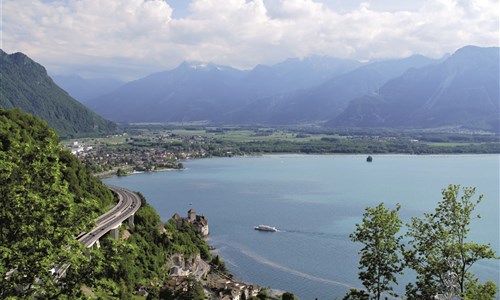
(369, 158)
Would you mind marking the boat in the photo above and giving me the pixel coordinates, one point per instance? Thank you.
(265, 228)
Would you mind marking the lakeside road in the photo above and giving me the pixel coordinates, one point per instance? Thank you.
(127, 206)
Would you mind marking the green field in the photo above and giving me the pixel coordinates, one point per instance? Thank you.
(246, 140)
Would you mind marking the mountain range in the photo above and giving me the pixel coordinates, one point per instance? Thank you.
(322, 102)
(83, 89)
(204, 91)
(462, 90)
(294, 91)
(26, 85)
(459, 90)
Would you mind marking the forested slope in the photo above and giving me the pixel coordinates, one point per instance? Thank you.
(26, 85)
(47, 199)
(45, 203)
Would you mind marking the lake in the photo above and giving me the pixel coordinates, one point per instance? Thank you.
(315, 201)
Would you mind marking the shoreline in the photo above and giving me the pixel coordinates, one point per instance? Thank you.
(113, 173)
(354, 158)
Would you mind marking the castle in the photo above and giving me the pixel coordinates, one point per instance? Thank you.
(200, 223)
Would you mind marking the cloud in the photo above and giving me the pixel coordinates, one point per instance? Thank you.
(131, 38)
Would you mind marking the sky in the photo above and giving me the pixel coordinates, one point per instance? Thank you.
(129, 39)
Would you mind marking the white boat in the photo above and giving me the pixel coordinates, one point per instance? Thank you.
(265, 228)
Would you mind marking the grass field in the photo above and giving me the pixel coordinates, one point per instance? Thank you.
(320, 140)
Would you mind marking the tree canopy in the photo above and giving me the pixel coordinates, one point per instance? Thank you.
(439, 244)
(43, 208)
(438, 250)
(380, 261)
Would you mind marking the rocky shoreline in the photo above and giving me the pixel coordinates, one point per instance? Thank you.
(216, 281)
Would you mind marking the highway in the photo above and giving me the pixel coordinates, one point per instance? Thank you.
(127, 205)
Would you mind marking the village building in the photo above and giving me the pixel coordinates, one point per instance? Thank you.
(230, 289)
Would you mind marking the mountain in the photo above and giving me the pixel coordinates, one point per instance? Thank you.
(326, 100)
(463, 91)
(84, 90)
(208, 92)
(295, 74)
(190, 92)
(26, 85)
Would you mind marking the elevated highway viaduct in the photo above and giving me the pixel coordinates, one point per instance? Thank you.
(127, 206)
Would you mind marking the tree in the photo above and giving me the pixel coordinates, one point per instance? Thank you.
(39, 215)
(477, 291)
(288, 296)
(194, 291)
(380, 261)
(120, 172)
(355, 294)
(262, 295)
(439, 245)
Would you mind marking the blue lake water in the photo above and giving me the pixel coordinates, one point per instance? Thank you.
(315, 201)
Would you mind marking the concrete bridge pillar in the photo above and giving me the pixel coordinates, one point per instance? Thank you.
(131, 222)
(115, 233)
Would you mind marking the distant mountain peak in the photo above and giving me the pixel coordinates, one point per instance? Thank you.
(475, 52)
(197, 64)
(202, 66)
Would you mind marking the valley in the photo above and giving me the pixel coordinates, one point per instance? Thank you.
(336, 122)
(155, 147)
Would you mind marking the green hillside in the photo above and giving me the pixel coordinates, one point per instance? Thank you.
(48, 198)
(25, 84)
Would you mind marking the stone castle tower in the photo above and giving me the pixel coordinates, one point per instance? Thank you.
(191, 215)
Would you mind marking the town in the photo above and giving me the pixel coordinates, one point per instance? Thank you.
(164, 147)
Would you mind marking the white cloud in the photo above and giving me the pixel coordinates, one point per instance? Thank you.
(131, 38)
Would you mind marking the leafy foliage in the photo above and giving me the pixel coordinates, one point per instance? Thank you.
(438, 251)
(379, 262)
(439, 243)
(288, 296)
(194, 291)
(183, 239)
(476, 291)
(48, 198)
(82, 183)
(40, 213)
(218, 265)
(140, 260)
(136, 261)
(355, 294)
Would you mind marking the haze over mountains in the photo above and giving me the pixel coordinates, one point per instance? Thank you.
(295, 91)
(204, 91)
(26, 85)
(461, 90)
(414, 92)
(324, 101)
(84, 90)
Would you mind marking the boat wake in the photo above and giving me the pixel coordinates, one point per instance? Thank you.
(283, 268)
(315, 233)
